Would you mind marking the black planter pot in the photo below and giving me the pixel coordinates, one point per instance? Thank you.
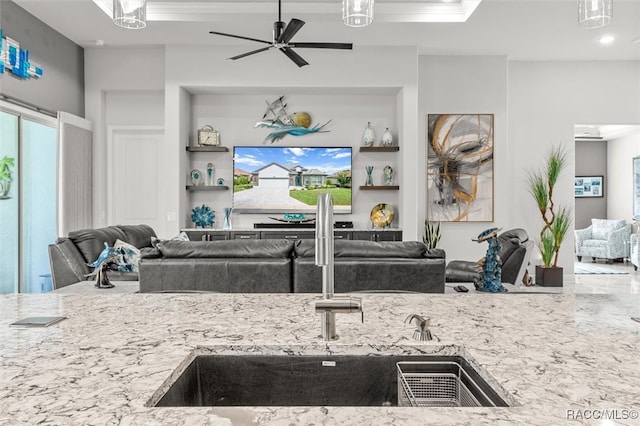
(549, 277)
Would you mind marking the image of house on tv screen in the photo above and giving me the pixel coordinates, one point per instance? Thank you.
(289, 179)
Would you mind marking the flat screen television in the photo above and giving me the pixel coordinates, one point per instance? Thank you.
(287, 180)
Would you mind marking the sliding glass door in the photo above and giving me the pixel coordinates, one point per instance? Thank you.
(9, 211)
(28, 210)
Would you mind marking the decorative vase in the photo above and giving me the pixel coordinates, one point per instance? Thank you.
(369, 181)
(388, 175)
(227, 218)
(210, 171)
(4, 188)
(369, 135)
(387, 138)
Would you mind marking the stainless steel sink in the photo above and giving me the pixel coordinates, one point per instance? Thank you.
(304, 380)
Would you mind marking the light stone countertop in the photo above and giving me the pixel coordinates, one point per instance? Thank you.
(546, 354)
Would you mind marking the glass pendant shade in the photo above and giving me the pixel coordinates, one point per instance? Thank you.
(131, 14)
(357, 13)
(594, 13)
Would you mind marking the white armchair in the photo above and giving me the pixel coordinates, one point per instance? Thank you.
(635, 251)
(605, 238)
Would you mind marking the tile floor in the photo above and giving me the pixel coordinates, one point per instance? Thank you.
(603, 303)
(628, 283)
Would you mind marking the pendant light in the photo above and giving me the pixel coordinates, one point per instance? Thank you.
(594, 13)
(357, 13)
(130, 14)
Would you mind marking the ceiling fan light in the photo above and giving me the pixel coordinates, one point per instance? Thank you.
(130, 14)
(594, 13)
(357, 13)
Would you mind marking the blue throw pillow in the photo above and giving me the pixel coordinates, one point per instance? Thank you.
(130, 256)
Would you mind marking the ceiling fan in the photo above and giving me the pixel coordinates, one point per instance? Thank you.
(282, 36)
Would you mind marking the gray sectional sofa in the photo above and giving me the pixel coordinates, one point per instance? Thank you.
(283, 266)
(69, 256)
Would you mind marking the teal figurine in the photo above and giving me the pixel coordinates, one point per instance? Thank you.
(490, 265)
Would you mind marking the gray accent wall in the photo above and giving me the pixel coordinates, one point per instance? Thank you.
(591, 160)
(62, 86)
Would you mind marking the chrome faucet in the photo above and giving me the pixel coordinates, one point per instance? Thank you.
(422, 331)
(329, 305)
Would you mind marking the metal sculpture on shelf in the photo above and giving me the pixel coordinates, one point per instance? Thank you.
(490, 265)
(276, 117)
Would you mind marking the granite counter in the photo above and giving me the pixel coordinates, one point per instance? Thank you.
(552, 356)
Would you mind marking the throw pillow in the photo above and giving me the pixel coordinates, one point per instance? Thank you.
(182, 236)
(130, 254)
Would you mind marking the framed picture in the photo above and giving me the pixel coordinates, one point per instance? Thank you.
(588, 186)
(460, 167)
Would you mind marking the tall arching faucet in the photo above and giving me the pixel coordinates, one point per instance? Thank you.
(329, 305)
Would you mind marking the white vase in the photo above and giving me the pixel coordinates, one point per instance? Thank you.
(369, 136)
(387, 138)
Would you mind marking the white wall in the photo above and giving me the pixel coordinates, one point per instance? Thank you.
(620, 153)
(123, 87)
(468, 85)
(235, 115)
(546, 99)
(340, 74)
(535, 104)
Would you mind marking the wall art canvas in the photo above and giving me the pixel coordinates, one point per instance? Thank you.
(636, 188)
(588, 186)
(460, 167)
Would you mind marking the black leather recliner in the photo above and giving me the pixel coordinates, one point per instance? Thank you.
(515, 254)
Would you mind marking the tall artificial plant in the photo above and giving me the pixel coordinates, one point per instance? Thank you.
(432, 233)
(557, 219)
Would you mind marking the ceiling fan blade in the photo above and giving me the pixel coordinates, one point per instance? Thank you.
(290, 30)
(323, 45)
(251, 53)
(294, 57)
(240, 37)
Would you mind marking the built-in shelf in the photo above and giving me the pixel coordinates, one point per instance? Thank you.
(379, 148)
(208, 148)
(380, 187)
(207, 187)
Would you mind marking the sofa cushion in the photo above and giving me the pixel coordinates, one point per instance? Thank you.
(227, 249)
(138, 235)
(369, 249)
(601, 228)
(90, 242)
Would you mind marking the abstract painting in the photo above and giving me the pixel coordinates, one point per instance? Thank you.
(460, 167)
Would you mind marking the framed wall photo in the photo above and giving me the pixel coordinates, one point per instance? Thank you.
(589, 186)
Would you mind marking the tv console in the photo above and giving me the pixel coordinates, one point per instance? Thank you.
(209, 234)
(284, 225)
(291, 225)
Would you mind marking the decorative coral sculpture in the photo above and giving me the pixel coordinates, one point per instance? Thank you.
(490, 265)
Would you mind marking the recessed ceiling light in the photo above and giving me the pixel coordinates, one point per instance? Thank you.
(99, 42)
(606, 39)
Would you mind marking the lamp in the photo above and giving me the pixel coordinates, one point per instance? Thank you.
(594, 13)
(357, 13)
(131, 14)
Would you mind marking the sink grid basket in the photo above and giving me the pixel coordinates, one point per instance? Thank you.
(435, 384)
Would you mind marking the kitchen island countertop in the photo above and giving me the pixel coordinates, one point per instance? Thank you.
(553, 357)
